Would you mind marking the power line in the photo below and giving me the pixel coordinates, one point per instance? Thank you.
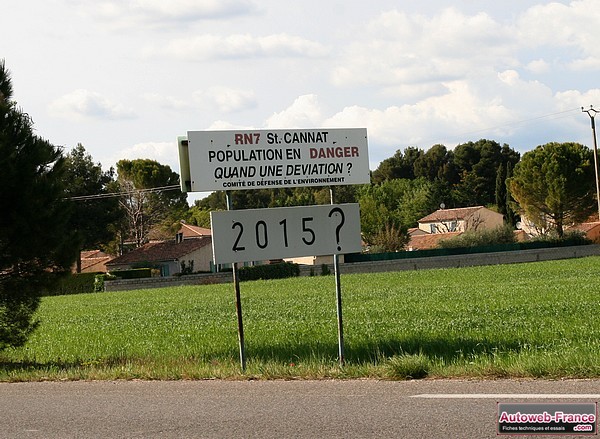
(119, 194)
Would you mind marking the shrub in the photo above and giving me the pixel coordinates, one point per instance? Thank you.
(570, 237)
(269, 271)
(479, 238)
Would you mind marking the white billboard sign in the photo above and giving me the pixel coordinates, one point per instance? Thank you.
(265, 159)
(263, 234)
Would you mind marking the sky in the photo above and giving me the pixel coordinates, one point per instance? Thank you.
(125, 77)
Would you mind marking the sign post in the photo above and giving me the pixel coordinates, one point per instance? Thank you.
(238, 299)
(338, 296)
(267, 159)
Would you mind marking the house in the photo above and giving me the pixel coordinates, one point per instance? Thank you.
(590, 228)
(191, 250)
(447, 223)
(460, 220)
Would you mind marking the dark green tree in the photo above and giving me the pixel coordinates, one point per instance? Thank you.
(435, 163)
(501, 189)
(511, 215)
(554, 185)
(477, 163)
(36, 243)
(93, 218)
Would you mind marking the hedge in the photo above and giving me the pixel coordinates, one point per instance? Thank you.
(134, 273)
(269, 271)
(74, 284)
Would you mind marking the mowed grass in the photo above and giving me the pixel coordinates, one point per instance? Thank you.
(525, 320)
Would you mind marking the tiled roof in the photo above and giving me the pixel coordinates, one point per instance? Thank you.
(450, 214)
(162, 251)
(194, 231)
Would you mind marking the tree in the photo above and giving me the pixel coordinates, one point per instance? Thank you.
(400, 165)
(196, 216)
(390, 208)
(501, 190)
(554, 185)
(511, 215)
(92, 218)
(434, 164)
(36, 243)
(151, 199)
(478, 163)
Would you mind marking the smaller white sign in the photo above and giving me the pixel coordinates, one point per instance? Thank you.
(263, 234)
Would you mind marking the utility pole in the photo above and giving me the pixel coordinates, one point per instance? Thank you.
(592, 113)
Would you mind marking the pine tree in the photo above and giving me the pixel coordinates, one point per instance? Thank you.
(35, 242)
(93, 218)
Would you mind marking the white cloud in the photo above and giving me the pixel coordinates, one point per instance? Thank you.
(225, 125)
(463, 113)
(207, 47)
(565, 30)
(575, 98)
(163, 152)
(538, 66)
(125, 13)
(400, 49)
(167, 102)
(89, 104)
(225, 99)
(304, 112)
(591, 63)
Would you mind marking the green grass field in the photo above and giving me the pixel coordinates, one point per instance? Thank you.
(526, 320)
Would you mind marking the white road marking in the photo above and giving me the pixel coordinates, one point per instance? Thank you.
(508, 396)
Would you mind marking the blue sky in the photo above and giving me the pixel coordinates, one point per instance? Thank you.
(126, 77)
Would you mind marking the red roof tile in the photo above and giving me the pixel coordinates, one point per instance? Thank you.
(194, 231)
(450, 214)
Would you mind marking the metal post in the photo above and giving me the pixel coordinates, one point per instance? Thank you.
(338, 295)
(238, 299)
(592, 113)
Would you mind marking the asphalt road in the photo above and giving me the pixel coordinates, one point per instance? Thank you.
(271, 409)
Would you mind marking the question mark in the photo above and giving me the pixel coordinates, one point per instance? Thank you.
(349, 165)
(339, 226)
